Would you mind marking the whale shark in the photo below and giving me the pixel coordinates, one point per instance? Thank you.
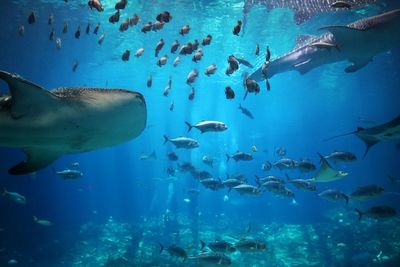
(48, 124)
(373, 135)
(357, 42)
(304, 9)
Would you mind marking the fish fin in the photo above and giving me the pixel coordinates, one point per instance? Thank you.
(26, 96)
(303, 66)
(189, 126)
(369, 143)
(166, 139)
(357, 64)
(360, 214)
(301, 16)
(203, 244)
(36, 159)
(227, 157)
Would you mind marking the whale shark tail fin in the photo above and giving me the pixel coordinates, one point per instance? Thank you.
(36, 160)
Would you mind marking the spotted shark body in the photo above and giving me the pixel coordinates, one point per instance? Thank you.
(357, 42)
(303, 9)
(48, 124)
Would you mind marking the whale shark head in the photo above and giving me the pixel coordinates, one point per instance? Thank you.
(47, 124)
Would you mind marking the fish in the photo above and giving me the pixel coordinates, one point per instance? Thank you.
(211, 259)
(172, 156)
(42, 222)
(210, 69)
(175, 251)
(257, 51)
(168, 87)
(125, 56)
(367, 192)
(87, 28)
(164, 17)
(191, 94)
(303, 10)
(32, 18)
(359, 42)
(285, 163)
(246, 189)
(304, 184)
(207, 40)
(229, 93)
(266, 166)
(268, 55)
(207, 126)
(278, 188)
(75, 164)
(14, 196)
(21, 30)
(373, 135)
(139, 52)
(186, 49)
(251, 86)
(269, 178)
(159, 46)
(334, 195)
(198, 55)
(184, 30)
(147, 27)
(237, 28)
(211, 183)
(305, 165)
(58, 43)
(75, 66)
(281, 151)
(341, 4)
(182, 142)
(254, 148)
(177, 61)
(78, 32)
(52, 33)
(162, 61)
(341, 156)
(208, 161)
(195, 44)
(377, 212)
(171, 106)
(326, 173)
(149, 81)
(219, 246)
(239, 156)
(151, 156)
(96, 4)
(192, 76)
(68, 174)
(174, 46)
(134, 20)
(69, 120)
(114, 17)
(121, 4)
(101, 39)
(157, 26)
(124, 26)
(12, 262)
(65, 27)
(246, 112)
(96, 29)
(250, 245)
(231, 183)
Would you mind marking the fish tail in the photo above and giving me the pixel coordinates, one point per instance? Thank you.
(189, 126)
(340, 135)
(161, 247)
(203, 244)
(360, 214)
(166, 139)
(227, 157)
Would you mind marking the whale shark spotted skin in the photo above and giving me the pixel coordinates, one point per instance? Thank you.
(373, 135)
(303, 9)
(48, 124)
(357, 42)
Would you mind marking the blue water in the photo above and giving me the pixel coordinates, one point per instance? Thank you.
(299, 113)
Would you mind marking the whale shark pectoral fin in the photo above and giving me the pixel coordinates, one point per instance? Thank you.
(36, 159)
(357, 64)
(303, 66)
(26, 96)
